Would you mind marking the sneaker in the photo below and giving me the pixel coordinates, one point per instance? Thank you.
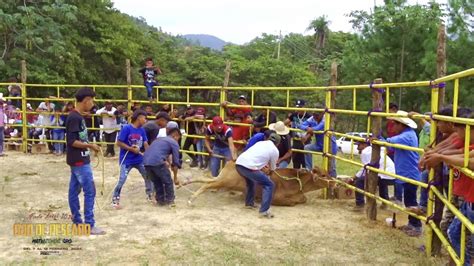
(116, 203)
(266, 214)
(415, 232)
(406, 228)
(419, 210)
(193, 164)
(251, 207)
(149, 198)
(97, 231)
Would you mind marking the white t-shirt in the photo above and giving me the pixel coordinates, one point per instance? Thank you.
(366, 156)
(161, 133)
(259, 155)
(108, 119)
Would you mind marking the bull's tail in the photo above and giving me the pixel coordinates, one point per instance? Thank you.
(199, 180)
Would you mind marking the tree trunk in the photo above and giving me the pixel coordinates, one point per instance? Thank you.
(373, 177)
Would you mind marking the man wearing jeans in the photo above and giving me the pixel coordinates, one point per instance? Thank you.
(78, 158)
(316, 123)
(223, 144)
(406, 164)
(252, 165)
(157, 167)
(132, 142)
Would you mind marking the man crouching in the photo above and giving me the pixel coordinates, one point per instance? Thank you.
(251, 165)
(156, 164)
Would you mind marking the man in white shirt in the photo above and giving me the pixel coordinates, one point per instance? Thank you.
(251, 164)
(365, 151)
(109, 123)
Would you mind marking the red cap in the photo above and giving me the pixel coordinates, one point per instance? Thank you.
(217, 122)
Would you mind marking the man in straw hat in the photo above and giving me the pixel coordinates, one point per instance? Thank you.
(406, 164)
(252, 165)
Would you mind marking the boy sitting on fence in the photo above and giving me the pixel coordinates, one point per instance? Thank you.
(149, 73)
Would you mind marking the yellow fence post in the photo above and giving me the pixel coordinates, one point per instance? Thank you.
(429, 208)
(129, 87)
(24, 122)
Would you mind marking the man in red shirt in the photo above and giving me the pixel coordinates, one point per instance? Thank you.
(463, 185)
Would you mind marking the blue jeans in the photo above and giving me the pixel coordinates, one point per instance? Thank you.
(149, 88)
(82, 178)
(409, 198)
(398, 190)
(216, 162)
(161, 178)
(200, 148)
(58, 135)
(308, 158)
(454, 230)
(424, 191)
(256, 176)
(124, 170)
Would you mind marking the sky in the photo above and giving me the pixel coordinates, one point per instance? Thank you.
(240, 21)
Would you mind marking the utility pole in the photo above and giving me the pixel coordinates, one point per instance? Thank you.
(279, 44)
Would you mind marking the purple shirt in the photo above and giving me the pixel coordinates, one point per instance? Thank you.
(2, 117)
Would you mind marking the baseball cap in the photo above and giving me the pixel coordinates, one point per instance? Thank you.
(217, 122)
(300, 103)
(242, 97)
(275, 138)
(171, 125)
(163, 115)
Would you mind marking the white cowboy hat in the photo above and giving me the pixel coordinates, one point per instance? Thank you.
(1, 97)
(279, 128)
(404, 120)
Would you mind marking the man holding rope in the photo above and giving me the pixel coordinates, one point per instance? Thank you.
(254, 165)
(132, 142)
(78, 158)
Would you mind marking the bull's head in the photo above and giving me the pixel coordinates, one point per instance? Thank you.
(322, 176)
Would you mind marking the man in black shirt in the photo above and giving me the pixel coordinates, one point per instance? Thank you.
(294, 120)
(78, 158)
(261, 120)
(190, 128)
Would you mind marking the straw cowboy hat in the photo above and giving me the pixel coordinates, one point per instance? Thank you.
(404, 120)
(279, 128)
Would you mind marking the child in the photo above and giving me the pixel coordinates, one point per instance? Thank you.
(58, 120)
(149, 73)
(155, 160)
(132, 140)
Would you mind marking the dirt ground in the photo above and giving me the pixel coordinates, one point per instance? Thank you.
(216, 230)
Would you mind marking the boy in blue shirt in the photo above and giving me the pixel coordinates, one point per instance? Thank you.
(132, 142)
(149, 73)
(406, 164)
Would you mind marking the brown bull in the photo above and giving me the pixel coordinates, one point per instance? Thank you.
(286, 192)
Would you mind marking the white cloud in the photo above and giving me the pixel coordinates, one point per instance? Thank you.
(240, 21)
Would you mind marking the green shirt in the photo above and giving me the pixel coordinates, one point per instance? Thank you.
(424, 136)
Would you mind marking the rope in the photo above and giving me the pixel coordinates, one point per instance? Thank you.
(297, 178)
